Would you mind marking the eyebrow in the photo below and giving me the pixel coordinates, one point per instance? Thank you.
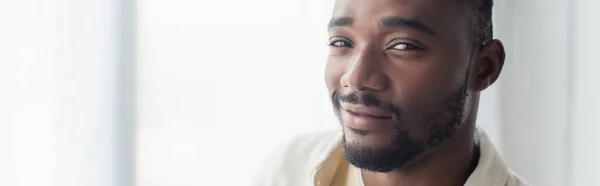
(340, 22)
(386, 22)
(398, 22)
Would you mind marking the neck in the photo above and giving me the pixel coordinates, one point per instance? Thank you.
(449, 164)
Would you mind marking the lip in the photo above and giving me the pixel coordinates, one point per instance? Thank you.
(366, 118)
(365, 111)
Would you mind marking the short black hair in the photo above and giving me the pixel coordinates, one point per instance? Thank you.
(480, 21)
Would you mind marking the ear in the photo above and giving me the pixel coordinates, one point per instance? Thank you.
(488, 64)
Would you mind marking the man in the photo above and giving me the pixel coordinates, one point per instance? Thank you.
(404, 77)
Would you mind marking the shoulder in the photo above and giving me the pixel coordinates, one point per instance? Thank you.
(295, 160)
(516, 180)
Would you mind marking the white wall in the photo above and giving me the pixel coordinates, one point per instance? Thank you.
(549, 90)
(219, 89)
(28, 85)
(94, 126)
(61, 88)
(535, 89)
(585, 123)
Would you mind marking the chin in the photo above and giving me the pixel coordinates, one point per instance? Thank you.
(369, 140)
(382, 150)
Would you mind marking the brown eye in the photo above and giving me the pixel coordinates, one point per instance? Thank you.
(406, 46)
(340, 43)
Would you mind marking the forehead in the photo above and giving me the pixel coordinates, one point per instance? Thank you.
(397, 7)
(438, 14)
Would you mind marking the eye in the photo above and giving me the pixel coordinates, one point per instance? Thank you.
(406, 46)
(340, 43)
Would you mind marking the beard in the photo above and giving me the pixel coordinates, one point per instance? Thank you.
(403, 152)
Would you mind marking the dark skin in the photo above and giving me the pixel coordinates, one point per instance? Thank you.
(412, 54)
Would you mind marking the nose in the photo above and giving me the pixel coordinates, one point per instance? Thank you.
(365, 73)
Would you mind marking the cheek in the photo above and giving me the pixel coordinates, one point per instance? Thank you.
(419, 89)
(421, 92)
(429, 81)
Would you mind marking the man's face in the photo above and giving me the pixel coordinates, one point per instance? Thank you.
(397, 74)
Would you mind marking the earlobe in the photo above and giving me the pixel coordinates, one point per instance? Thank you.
(490, 63)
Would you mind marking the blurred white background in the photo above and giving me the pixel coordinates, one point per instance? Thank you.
(164, 93)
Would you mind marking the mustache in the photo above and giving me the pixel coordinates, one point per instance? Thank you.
(364, 98)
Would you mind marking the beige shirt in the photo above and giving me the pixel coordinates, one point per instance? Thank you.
(346, 174)
(313, 160)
